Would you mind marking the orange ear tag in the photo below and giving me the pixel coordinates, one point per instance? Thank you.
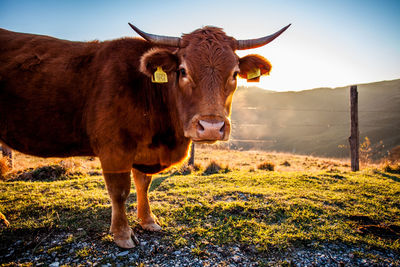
(253, 74)
(159, 76)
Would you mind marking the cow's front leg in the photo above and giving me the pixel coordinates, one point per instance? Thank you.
(118, 186)
(146, 218)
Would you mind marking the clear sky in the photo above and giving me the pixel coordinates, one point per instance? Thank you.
(330, 43)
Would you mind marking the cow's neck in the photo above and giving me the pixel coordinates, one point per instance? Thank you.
(167, 135)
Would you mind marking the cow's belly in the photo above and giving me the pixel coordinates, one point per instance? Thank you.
(150, 169)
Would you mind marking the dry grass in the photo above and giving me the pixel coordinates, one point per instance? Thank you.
(205, 155)
(249, 160)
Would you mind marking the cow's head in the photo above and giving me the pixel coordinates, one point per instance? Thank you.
(202, 69)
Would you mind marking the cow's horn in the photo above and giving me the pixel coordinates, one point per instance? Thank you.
(157, 39)
(254, 43)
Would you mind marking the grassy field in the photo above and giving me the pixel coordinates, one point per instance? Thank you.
(304, 202)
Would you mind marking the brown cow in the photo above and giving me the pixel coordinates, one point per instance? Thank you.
(61, 98)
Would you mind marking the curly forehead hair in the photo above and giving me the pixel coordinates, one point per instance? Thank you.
(209, 52)
(210, 35)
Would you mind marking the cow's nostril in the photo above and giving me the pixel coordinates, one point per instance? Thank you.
(200, 127)
(222, 128)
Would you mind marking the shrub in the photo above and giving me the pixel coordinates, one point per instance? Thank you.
(392, 168)
(184, 170)
(197, 167)
(214, 167)
(267, 166)
(43, 173)
(285, 163)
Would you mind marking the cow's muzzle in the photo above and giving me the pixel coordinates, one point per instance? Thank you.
(209, 128)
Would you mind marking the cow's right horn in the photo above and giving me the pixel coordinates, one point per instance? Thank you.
(157, 39)
(254, 43)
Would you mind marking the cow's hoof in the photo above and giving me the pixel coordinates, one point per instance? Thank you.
(152, 224)
(129, 241)
(124, 243)
(153, 227)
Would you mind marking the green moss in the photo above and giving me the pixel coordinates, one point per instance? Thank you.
(180, 242)
(83, 252)
(269, 210)
(54, 249)
(107, 238)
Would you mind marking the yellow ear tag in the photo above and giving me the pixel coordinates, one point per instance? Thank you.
(254, 73)
(159, 76)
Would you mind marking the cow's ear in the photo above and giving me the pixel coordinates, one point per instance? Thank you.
(158, 57)
(252, 63)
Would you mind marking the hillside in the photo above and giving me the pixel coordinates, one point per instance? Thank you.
(316, 121)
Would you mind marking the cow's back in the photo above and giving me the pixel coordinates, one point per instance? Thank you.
(44, 84)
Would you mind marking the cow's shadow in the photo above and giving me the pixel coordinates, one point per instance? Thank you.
(389, 176)
(157, 182)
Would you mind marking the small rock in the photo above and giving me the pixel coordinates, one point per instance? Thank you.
(123, 253)
(54, 264)
(177, 252)
(11, 252)
(236, 249)
(236, 258)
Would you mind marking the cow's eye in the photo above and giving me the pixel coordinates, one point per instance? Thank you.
(235, 75)
(182, 72)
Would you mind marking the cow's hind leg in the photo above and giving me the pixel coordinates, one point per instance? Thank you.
(146, 218)
(118, 186)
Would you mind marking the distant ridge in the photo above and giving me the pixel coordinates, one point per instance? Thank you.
(316, 121)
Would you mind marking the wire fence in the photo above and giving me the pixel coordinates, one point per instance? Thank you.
(267, 139)
(316, 110)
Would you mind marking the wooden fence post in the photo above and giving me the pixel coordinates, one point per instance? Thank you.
(355, 134)
(7, 152)
(191, 159)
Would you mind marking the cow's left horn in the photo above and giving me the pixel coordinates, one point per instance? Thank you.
(157, 39)
(254, 43)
